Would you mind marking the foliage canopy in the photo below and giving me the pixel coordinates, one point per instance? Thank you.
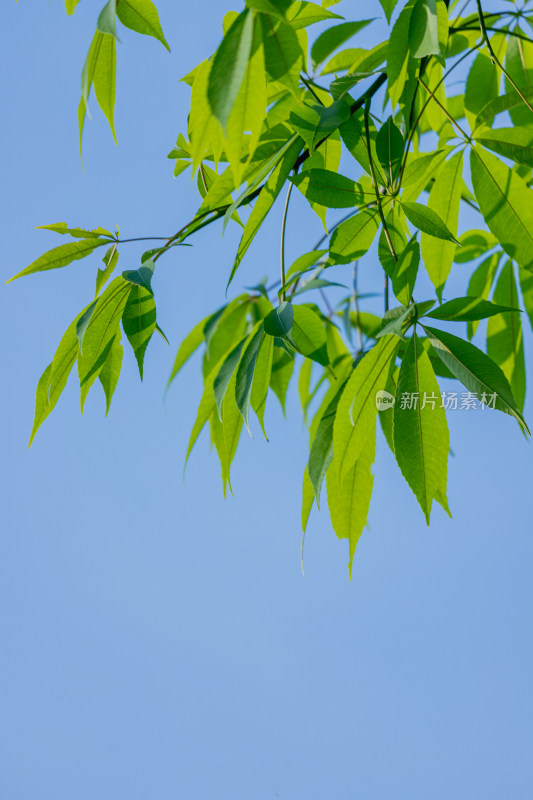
(274, 110)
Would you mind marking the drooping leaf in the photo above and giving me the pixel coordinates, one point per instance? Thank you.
(142, 17)
(389, 149)
(349, 495)
(245, 373)
(71, 5)
(100, 333)
(141, 277)
(265, 201)
(321, 453)
(476, 371)
(388, 7)
(139, 321)
(83, 323)
(506, 204)
(398, 54)
(229, 66)
(424, 29)
(480, 284)
(421, 438)
(99, 72)
(107, 17)
(54, 378)
(505, 342)
(308, 498)
(308, 335)
(444, 200)
(282, 370)
(110, 372)
(225, 374)
(283, 53)
(356, 411)
(481, 86)
(61, 256)
(110, 262)
(526, 285)
(262, 378)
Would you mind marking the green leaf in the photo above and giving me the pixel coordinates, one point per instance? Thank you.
(424, 30)
(353, 238)
(505, 342)
(468, 309)
(106, 19)
(225, 374)
(301, 14)
(388, 7)
(321, 453)
(61, 256)
(110, 262)
(265, 201)
(100, 333)
(54, 378)
(519, 65)
(232, 422)
(282, 369)
(421, 438)
(229, 66)
(279, 322)
(309, 335)
(276, 7)
(248, 113)
(505, 102)
(356, 412)
(406, 271)
(314, 122)
(188, 346)
(476, 371)
(76, 233)
(334, 37)
(330, 189)
(389, 148)
(142, 17)
(480, 284)
(139, 321)
(513, 143)
(427, 221)
(283, 53)
(83, 323)
(223, 331)
(245, 373)
(141, 277)
(481, 87)
(99, 71)
(71, 5)
(506, 204)
(420, 172)
(526, 285)
(398, 54)
(110, 372)
(349, 495)
(444, 200)
(474, 243)
(262, 378)
(308, 497)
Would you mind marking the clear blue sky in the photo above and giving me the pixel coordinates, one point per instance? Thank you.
(158, 641)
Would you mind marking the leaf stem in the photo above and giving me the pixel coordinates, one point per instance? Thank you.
(283, 228)
(378, 200)
(494, 58)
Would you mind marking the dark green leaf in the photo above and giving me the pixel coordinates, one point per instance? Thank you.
(330, 189)
(389, 149)
(229, 66)
(333, 37)
(427, 221)
(468, 309)
(142, 276)
(139, 321)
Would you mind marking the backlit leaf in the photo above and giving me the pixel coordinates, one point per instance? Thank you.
(61, 256)
(142, 17)
(139, 321)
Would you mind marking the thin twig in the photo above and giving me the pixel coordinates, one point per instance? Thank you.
(282, 246)
(494, 58)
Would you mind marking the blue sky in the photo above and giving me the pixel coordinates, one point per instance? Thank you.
(158, 641)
